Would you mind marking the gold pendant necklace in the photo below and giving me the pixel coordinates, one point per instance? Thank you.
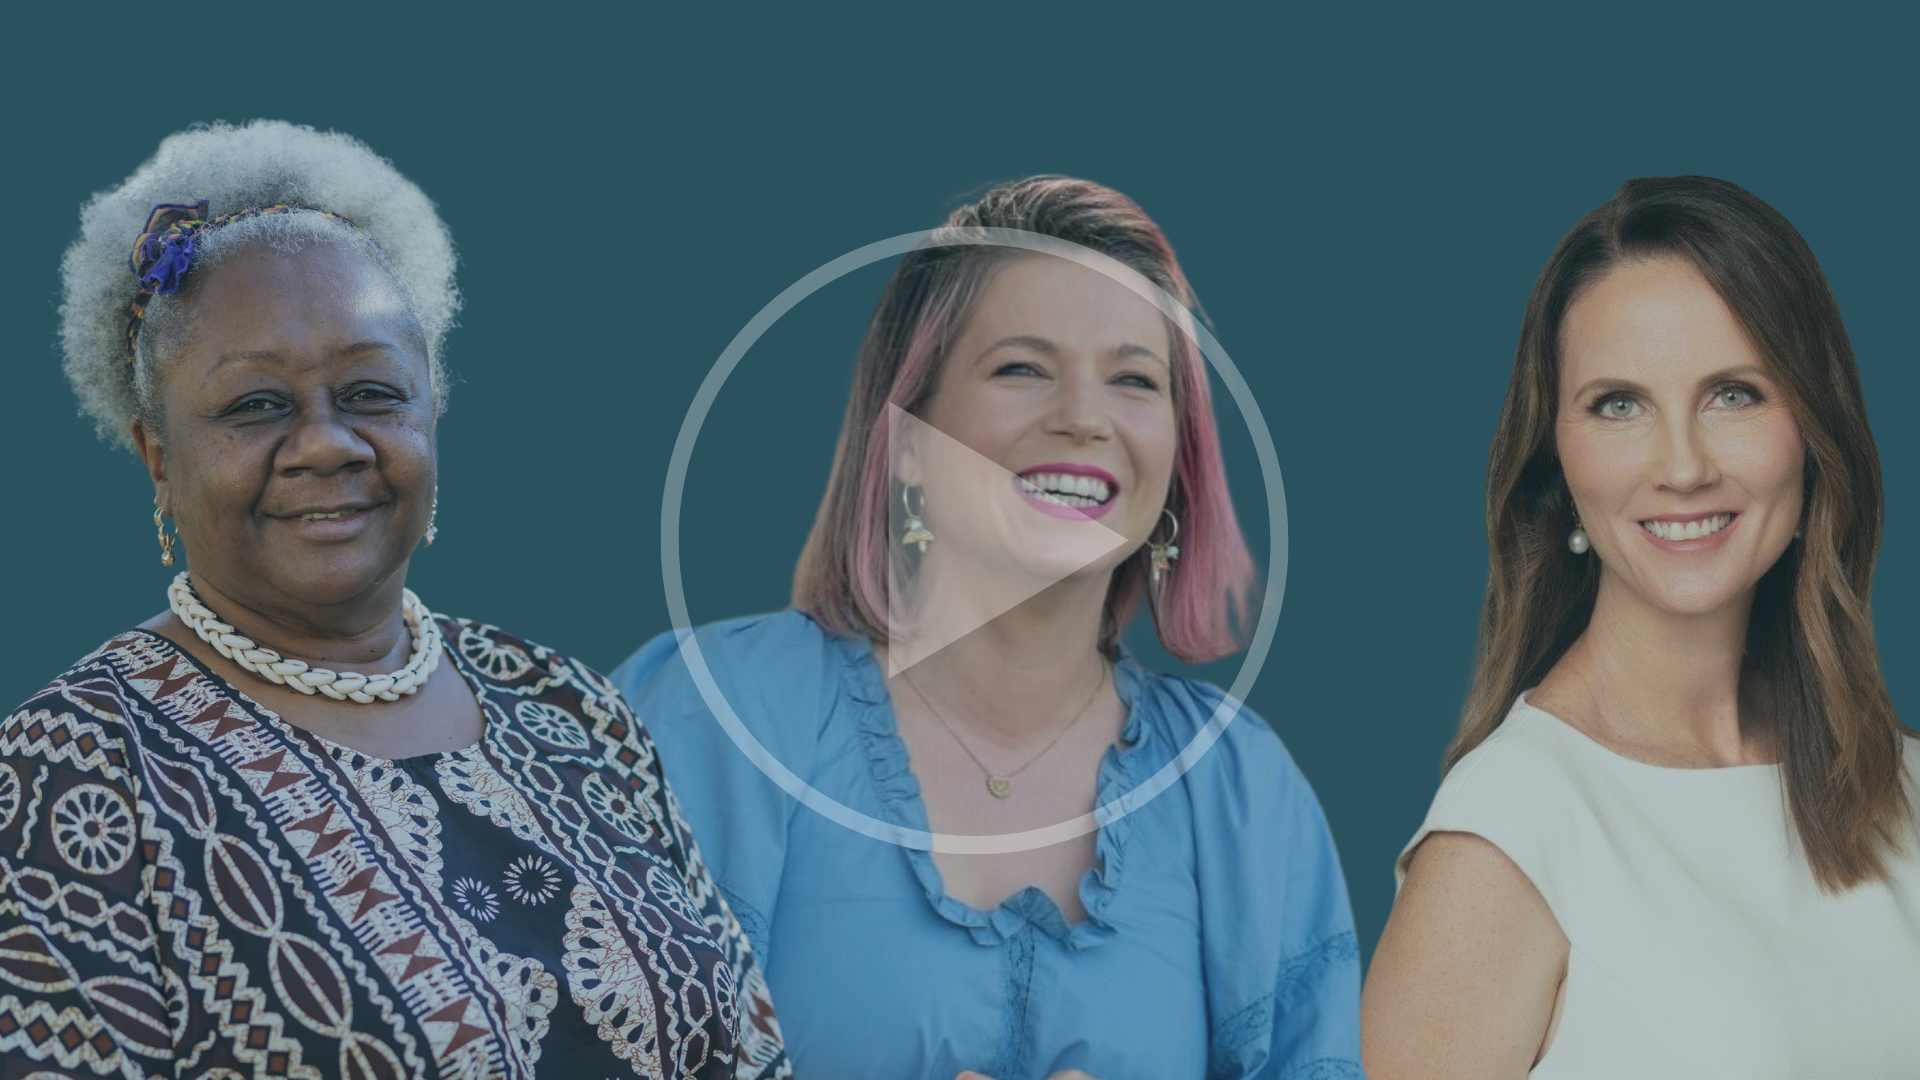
(1000, 785)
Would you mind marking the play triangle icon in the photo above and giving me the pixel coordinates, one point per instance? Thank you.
(972, 540)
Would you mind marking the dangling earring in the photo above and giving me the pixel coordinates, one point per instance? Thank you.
(1162, 554)
(1579, 543)
(166, 539)
(433, 516)
(917, 531)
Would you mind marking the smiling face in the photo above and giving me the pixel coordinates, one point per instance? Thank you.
(1053, 424)
(297, 449)
(1677, 443)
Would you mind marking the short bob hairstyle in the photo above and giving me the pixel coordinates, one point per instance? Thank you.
(1811, 677)
(843, 571)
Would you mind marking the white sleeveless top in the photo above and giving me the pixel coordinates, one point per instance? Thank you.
(1701, 946)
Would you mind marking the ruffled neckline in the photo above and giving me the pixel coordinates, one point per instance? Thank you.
(899, 791)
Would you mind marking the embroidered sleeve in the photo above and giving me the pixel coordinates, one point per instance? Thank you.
(80, 986)
(743, 985)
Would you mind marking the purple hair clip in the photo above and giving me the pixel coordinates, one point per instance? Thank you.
(164, 250)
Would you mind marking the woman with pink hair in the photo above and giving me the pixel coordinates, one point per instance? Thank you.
(1029, 457)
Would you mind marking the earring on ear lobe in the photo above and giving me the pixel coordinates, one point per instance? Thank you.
(1162, 554)
(433, 517)
(1579, 543)
(166, 539)
(917, 531)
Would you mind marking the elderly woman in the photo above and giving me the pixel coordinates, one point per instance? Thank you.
(1677, 834)
(1028, 458)
(299, 824)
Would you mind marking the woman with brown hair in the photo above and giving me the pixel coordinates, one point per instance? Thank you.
(1676, 836)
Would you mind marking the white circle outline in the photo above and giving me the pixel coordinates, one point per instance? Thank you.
(688, 640)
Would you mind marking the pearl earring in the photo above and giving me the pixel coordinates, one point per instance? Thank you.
(1579, 543)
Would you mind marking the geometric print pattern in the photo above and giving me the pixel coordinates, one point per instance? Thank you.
(190, 886)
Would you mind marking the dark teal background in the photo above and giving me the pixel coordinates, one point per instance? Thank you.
(1362, 201)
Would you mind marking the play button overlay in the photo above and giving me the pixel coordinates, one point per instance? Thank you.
(1047, 557)
(975, 540)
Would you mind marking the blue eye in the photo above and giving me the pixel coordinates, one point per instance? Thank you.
(1736, 396)
(1616, 407)
(1144, 382)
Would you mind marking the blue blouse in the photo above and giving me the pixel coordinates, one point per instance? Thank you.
(1218, 940)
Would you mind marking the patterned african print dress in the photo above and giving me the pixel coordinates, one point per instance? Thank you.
(190, 886)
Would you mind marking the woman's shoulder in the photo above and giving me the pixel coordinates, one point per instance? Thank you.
(760, 636)
(770, 669)
(1523, 761)
(1522, 790)
(105, 682)
(509, 661)
(104, 713)
(774, 649)
(1188, 707)
(1239, 756)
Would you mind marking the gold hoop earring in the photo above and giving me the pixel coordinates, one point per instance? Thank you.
(160, 527)
(917, 531)
(1161, 555)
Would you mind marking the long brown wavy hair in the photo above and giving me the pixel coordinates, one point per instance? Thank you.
(1810, 678)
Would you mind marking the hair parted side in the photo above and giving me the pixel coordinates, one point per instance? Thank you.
(1811, 677)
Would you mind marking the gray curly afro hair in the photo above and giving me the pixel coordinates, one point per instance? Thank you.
(235, 167)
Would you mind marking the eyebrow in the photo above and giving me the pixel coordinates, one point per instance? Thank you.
(1744, 371)
(270, 356)
(1048, 348)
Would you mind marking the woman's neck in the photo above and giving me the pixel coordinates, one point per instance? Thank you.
(1658, 679)
(1015, 674)
(368, 635)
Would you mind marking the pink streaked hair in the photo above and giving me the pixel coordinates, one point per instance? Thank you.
(843, 573)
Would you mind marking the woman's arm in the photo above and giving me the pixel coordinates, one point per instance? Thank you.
(1316, 996)
(743, 1001)
(1281, 960)
(76, 993)
(1464, 980)
(773, 672)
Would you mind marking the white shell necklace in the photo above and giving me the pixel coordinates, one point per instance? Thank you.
(298, 674)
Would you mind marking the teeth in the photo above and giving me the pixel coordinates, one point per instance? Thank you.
(1692, 530)
(335, 516)
(1067, 485)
